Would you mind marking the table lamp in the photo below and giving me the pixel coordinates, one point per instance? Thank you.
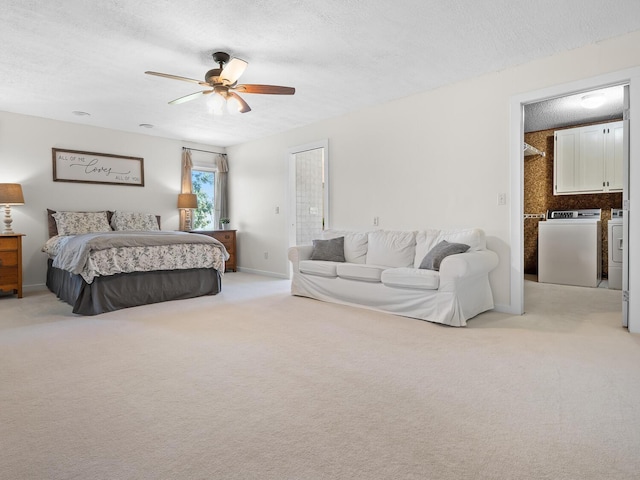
(187, 202)
(10, 194)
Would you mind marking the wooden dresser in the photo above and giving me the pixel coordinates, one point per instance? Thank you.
(11, 263)
(228, 239)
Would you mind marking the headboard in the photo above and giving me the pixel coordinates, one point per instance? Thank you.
(53, 228)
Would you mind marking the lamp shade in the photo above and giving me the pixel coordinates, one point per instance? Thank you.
(187, 200)
(11, 194)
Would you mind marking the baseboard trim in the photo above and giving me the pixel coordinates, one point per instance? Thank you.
(263, 273)
(505, 309)
(38, 287)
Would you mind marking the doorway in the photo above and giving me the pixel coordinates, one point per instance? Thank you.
(632, 272)
(308, 192)
(561, 181)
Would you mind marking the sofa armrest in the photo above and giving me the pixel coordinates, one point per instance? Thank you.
(297, 254)
(468, 264)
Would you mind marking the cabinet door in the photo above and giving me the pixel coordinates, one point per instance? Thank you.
(565, 153)
(614, 149)
(591, 159)
(588, 159)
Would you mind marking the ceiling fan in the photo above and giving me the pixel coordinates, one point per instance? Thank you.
(223, 81)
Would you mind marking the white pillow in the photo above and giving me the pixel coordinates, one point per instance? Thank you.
(79, 223)
(122, 221)
(391, 249)
(355, 244)
(425, 241)
(474, 237)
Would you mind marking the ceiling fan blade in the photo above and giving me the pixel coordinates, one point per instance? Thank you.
(268, 89)
(232, 71)
(189, 97)
(244, 107)
(175, 77)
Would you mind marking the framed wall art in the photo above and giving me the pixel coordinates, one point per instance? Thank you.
(91, 167)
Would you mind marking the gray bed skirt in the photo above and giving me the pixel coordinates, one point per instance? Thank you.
(106, 294)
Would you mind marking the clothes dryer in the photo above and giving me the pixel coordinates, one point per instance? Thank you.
(615, 249)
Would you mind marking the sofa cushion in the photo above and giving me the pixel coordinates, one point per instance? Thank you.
(355, 244)
(318, 267)
(362, 272)
(411, 278)
(391, 249)
(438, 253)
(329, 250)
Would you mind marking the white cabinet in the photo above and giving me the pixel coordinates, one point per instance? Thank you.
(588, 159)
(613, 155)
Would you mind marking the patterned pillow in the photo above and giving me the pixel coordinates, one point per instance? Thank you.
(79, 223)
(134, 221)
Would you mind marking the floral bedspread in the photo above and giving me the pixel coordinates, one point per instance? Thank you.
(111, 261)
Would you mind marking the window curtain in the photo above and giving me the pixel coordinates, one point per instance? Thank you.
(220, 203)
(186, 184)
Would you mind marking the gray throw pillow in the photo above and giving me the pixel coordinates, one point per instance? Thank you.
(432, 260)
(329, 250)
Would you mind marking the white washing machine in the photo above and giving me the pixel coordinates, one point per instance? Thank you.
(570, 248)
(615, 249)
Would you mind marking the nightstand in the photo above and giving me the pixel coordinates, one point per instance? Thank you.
(228, 239)
(11, 263)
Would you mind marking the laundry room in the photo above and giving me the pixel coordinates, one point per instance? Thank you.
(572, 179)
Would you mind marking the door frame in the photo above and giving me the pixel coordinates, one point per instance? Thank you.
(516, 140)
(291, 191)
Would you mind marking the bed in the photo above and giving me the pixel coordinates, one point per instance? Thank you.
(104, 261)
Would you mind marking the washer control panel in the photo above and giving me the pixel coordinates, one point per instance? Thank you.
(617, 213)
(585, 214)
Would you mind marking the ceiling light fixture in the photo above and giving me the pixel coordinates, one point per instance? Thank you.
(223, 82)
(593, 100)
(145, 125)
(81, 114)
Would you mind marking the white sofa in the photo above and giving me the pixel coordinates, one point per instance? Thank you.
(381, 272)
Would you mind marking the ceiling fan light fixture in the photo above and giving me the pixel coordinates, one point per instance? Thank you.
(217, 104)
(223, 83)
(593, 100)
(233, 106)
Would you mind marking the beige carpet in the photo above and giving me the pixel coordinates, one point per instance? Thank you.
(256, 384)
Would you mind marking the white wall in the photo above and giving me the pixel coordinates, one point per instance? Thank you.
(438, 159)
(25, 157)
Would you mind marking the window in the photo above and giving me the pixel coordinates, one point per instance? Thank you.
(203, 181)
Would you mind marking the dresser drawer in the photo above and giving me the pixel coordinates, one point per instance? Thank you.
(227, 239)
(10, 243)
(8, 258)
(8, 278)
(11, 263)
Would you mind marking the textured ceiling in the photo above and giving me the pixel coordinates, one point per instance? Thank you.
(570, 110)
(90, 56)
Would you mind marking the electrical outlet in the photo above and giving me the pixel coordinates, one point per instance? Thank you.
(266, 255)
(376, 220)
(277, 210)
(502, 199)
